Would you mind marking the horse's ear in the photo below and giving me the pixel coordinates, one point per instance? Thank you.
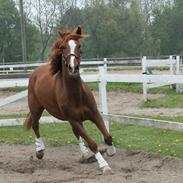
(78, 30)
(62, 34)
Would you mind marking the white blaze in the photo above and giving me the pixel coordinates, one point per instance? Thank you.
(72, 46)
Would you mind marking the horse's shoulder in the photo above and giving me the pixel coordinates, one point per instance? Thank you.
(41, 69)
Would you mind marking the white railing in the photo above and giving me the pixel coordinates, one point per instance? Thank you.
(171, 62)
(20, 68)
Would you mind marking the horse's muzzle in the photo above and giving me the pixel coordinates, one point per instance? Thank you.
(73, 70)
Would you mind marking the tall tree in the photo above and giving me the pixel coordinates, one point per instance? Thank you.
(10, 44)
(168, 29)
(44, 16)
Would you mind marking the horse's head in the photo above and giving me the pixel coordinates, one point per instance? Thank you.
(68, 51)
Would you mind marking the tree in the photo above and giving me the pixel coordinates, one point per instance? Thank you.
(168, 29)
(44, 16)
(10, 44)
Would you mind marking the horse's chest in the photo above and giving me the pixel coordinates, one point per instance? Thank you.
(72, 112)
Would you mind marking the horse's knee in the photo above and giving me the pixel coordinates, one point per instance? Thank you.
(108, 140)
(93, 147)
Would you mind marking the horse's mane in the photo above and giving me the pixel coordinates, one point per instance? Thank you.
(56, 56)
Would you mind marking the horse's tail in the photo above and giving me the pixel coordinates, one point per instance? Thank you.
(28, 122)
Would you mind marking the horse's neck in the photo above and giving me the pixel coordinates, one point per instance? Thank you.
(72, 87)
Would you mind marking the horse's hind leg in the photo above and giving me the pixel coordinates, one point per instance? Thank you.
(82, 146)
(99, 122)
(92, 145)
(35, 113)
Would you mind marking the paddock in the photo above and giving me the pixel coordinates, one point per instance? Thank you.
(61, 163)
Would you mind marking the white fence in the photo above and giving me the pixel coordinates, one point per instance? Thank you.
(102, 77)
(171, 62)
(20, 68)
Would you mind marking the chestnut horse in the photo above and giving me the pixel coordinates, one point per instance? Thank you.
(58, 88)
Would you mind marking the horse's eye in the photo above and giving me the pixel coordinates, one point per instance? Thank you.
(62, 47)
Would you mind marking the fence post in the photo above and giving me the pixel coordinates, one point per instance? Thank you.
(179, 65)
(171, 64)
(103, 95)
(144, 70)
(105, 64)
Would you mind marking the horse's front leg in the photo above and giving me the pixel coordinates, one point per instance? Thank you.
(99, 122)
(92, 145)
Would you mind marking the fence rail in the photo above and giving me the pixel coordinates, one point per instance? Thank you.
(20, 68)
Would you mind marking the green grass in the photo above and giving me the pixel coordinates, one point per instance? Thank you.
(134, 87)
(20, 115)
(12, 116)
(131, 137)
(160, 117)
(167, 101)
(128, 87)
(13, 89)
(158, 141)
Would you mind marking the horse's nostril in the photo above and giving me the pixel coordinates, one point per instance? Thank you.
(77, 67)
(70, 68)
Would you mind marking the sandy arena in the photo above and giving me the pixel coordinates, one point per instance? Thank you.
(60, 164)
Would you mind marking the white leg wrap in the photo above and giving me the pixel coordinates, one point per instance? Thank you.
(39, 144)
(83, 148)
(101, 161)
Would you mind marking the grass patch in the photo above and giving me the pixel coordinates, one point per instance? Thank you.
(163, 142)
(12, 116)
(20, 115)
(134, 88)
(167, 101)
(54, 134)
(128, 87)
(158, 117)
(14, 89)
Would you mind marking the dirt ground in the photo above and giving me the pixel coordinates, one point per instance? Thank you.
(119, 102)
(60, 164)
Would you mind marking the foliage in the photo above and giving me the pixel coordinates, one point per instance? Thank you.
(10, 47)
(168, 28)
(117, 28)
(10, 44)
(167, 101)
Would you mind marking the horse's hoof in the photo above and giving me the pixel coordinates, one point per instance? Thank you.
(106, 170)
(40, 154)
(88, 158)
(111, 150)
